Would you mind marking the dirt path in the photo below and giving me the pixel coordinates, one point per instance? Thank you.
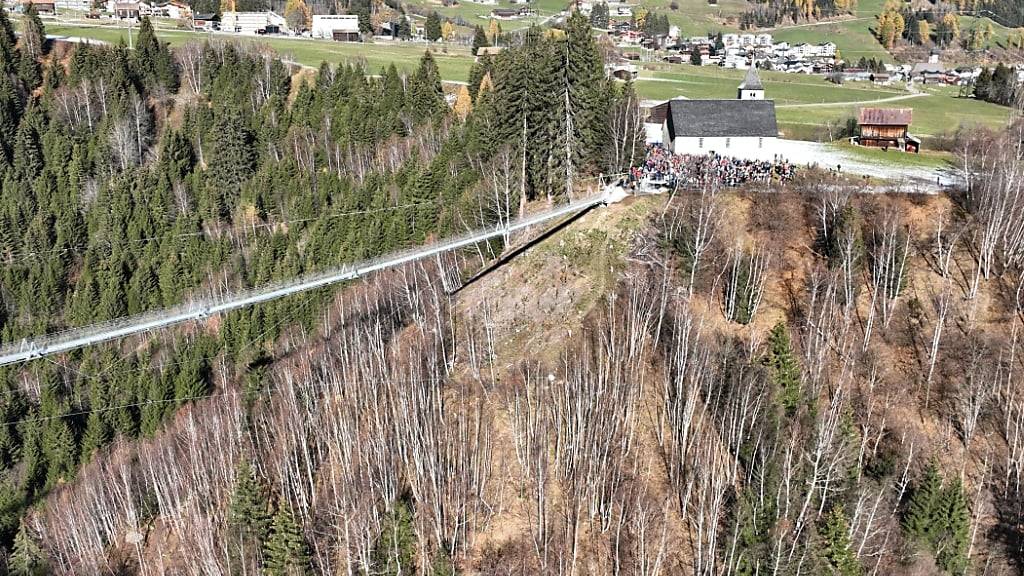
(853, 102)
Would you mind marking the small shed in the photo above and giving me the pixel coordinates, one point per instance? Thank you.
(885, 127)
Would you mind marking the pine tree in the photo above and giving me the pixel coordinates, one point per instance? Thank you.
(153, 59)
(285, 552)
(785, 370)
(97, 435)
(8, 54)
(983, 85)
(951, 548)
(28, 155)
(838, 550)
(479, 39)
(190, 383)
(27, 558)
(481, 68)
(923, 521)
(426, 96)
(395, 551)
(33, 46)
(250, 507)
(233, 158)
(432, 28)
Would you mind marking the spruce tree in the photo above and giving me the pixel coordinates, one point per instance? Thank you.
(8, 54)
(27, 557)
(33, 48)
(97, 434)
(432, 28)
(923, 519)
(232, 158)
(951, 548)
(838, 550)
(784, 369)
(426, 96)
(285, 552)
(395, 551)
(28, 155)
(479, 39)
(250, 512)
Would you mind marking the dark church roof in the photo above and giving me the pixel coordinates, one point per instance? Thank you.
(718, 118)
(752, 81)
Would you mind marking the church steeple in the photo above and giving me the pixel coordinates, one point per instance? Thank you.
(751, 87)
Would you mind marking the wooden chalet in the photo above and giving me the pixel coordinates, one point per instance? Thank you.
(885, 127)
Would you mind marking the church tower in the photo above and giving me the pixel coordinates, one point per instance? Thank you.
(751, 87)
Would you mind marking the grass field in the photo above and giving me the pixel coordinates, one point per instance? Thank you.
(454, 62)
(927, 159)
(473, 13)
(807, 103)
(852, 35)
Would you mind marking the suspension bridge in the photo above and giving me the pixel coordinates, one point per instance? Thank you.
(58, 342)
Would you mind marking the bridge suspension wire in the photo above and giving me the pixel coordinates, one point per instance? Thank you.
(45, 345)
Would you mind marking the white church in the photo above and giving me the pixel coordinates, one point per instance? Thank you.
(742, 128)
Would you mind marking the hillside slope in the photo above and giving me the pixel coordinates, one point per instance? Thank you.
(579, 411)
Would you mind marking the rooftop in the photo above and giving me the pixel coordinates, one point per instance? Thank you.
(719, 118)
(886, 116)
(752, 81)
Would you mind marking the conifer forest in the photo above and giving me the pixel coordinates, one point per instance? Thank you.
(798, 381)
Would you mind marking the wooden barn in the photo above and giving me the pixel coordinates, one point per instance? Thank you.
(885, 127)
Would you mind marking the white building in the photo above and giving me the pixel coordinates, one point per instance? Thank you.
(252, 22)
(79, 5)
(743, 128)
(342, 27)
(763, 40)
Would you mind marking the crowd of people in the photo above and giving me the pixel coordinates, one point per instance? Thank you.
(663, 168)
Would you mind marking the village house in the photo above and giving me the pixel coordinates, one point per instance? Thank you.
(76, 5)
(338, 27)
(887, 127)
(491, 51)
(252, 22)
(207, 22)
(43, 6)
(511, 13)
(174, 9)
(126, 10)
(930, 73)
